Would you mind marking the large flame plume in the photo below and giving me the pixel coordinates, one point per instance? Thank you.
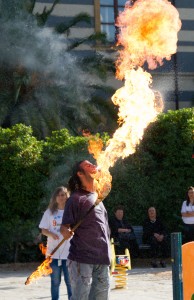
(148, 34)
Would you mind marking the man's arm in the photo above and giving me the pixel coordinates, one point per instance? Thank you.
(127, 227)
(66, 231)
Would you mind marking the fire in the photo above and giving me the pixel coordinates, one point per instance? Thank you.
(95, 147)
(148, 34)
(42, 248)
(43, 270)
(103, 177)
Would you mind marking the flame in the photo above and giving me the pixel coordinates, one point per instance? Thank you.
(42, 248)
(43, 270)
(148, 33)
(95, 147)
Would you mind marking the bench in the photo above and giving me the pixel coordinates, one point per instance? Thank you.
(138, 230)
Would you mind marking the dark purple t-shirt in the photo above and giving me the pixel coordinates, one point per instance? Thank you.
(90, 243)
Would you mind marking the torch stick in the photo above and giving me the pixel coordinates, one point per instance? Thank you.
(48, 259)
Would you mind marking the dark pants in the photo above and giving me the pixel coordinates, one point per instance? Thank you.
(131, 245)
(159, 248)
(188, 233)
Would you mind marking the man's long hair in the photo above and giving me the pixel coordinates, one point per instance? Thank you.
(74, 182)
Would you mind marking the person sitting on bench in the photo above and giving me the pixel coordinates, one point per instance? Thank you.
(155, 234)
(123, 234)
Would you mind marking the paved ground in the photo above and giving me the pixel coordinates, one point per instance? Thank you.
(144, 283)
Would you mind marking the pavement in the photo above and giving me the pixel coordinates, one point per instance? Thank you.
(143, 283)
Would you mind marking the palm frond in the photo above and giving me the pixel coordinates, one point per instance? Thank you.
(65, 27)
(42, 17)
(29, 5)
(91, 38)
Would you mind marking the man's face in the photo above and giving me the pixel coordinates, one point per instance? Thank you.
(119, 214)
(88, 168)
(152, 213)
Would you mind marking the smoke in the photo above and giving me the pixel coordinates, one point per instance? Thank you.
(40, 50)
(42, 84)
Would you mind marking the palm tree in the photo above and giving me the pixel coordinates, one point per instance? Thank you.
(42, 83)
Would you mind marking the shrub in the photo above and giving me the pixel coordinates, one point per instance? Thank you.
(21, 189)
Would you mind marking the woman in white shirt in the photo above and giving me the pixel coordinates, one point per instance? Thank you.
(187, 212)
(50, 226)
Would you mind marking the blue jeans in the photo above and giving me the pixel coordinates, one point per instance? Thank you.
(89, 282)
(56, 278)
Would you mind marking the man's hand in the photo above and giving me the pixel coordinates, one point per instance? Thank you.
(159, 237)
(66, 232)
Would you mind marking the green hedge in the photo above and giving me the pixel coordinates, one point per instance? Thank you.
(21, 189)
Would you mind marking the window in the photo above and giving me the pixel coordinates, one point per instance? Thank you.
(109, 10)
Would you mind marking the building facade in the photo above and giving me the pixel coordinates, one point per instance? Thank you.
(175, 79)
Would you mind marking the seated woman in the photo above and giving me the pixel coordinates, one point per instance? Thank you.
(155, 234)
(123, 234)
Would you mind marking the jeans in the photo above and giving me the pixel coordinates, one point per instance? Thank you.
(56, 278)
(89, 282)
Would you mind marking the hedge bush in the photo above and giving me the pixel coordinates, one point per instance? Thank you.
(21, 190)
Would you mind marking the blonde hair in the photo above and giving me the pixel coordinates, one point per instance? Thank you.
(53, 205)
